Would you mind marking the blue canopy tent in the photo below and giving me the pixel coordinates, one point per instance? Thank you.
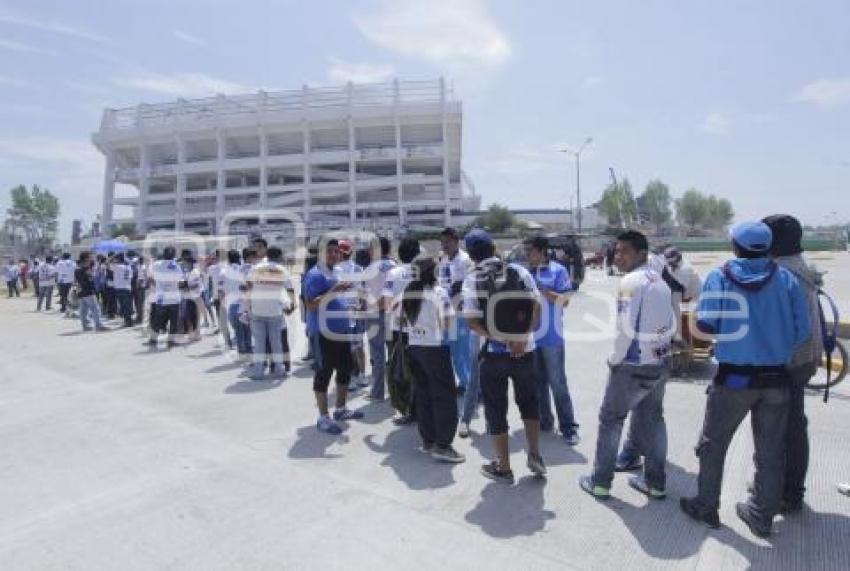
(110, 246)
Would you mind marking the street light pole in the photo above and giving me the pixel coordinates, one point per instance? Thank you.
(577, 155)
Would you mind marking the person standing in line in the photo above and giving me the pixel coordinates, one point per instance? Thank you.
(787, 251)
(426, 310)
(192, 298)
(329, 331)
(84, 278)
(397, 280)
(507, 328)
(455, 265)
(24, 273)
(638, 372)
(267, 283)
(232, 281)
(166, 275)
(34, 273)
(347, 270)
(759, 315)
(65, 279)
(376, 325)
(554, 284)
(46, 279)
(11, 272)
(122, 277)
(110, 301)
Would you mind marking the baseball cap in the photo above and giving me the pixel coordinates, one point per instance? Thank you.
(477, 238)
(673, 254)
(754, 236)
(345, 246)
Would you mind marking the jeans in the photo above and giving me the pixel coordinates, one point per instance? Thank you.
(473, 389)
(461, 357)
(724, 412)
(797, 437)
(45, 296)
(63, 296)
(639, 389)
(88, 304)
(266, 332)
(125, 305)
(434, 385)
(13, 288)
(241, 331)
(138, 294)
(550, 362)
(377, 331)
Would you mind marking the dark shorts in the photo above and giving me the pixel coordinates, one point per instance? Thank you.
(333, 357)
(495, 371)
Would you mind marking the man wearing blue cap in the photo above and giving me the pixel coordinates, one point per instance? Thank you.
(758, 314)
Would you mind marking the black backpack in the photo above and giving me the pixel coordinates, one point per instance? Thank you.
(505, 302)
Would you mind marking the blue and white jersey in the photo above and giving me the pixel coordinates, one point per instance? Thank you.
(167, 275)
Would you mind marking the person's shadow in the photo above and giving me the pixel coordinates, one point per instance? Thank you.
(314, 444)
(511, 511)
(417, 470)
(248, 387)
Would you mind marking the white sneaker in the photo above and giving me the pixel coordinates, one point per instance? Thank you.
(463, 430)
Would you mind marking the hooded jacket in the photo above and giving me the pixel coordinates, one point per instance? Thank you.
(757, 310)
(810, 353)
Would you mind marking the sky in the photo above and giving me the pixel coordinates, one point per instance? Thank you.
(745, 100)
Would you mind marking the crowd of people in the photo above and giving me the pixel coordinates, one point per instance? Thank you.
(447, 331)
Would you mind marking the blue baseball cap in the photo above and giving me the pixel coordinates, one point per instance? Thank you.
(477, 238)
(754, 236)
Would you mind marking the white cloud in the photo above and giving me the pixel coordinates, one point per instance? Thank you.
(189, 38)
(48, 26)
(826, 92)
(180, 84)
(715, 124)
(23, 48)
(455, 33)
(591, 81)
(358, 72)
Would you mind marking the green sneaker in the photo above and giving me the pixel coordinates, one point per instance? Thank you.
(598, 492)
(639, 484)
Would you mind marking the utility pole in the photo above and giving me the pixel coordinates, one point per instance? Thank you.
(577, 155)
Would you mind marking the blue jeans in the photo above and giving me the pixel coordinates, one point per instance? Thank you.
(241, 330)
(461, 355)
(550, 362)
(45, 294)
(473, 389)
(639, 389)
(724, 412)
(88, 305)
(376, 331)
(266, 332)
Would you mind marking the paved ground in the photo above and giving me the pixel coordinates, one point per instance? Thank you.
(115, 456)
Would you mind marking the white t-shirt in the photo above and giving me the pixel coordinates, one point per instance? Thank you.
(427, 331)
(453, 270)
(269, 283)
(231, 279)
(645, 319)
(397, 280)
(376, 275)
(47, 275)
(65, 271)
(167, 275)
(472, 308)
(349, 272)
(195, 283)
(122, 276)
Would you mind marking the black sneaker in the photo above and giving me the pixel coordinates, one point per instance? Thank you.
(699, 513)
(536, 465)
(447, 454)
(404, 420)
(493, 472)
(426, 447)
(759, 528)
(628, 464)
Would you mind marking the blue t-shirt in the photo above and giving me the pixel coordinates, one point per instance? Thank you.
(553, 277)
(317, 283)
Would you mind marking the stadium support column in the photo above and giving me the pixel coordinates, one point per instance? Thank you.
(144, 190)
(352, 164)
(108, 193)
(181, 185)
(220, 183)
(264, 176)
(398, 163)
(305, 151)
(447, 211)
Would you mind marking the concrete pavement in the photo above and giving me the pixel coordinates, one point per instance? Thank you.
(116, 456)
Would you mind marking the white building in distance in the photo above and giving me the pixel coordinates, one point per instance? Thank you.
(379, 157)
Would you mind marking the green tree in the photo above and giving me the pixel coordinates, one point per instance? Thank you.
(618, 204)
(655, 203)
(719, 213)
(35, 215)
(691, 208)
(497, 219)
(124, 229)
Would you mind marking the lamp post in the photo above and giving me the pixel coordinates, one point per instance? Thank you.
(577, 155)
